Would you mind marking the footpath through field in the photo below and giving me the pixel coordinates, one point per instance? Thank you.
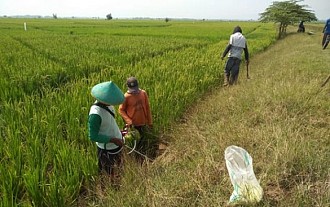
(280, 116)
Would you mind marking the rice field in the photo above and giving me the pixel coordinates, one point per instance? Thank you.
(46, 74)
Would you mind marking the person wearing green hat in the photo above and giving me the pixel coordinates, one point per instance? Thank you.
(103, 128)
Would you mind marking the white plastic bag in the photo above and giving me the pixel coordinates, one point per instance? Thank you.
(246, 186)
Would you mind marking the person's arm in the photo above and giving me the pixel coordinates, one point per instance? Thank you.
(246, 54)
(226, 51)
(325, 26)
(122, 111)
(94, 124)
(117, 141)
(148, 111)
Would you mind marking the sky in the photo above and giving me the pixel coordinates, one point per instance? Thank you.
(191, 9)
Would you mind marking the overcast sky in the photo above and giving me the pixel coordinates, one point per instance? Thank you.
(196, 9)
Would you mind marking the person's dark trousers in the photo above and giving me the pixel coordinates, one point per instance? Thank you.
(325, 40)
(232, 68)
(142, 143)
(147, 143)
(107, 160)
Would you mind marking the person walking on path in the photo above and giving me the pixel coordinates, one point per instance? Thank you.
(103, 128)
(301, 27)
(135, 111)
(237, 43)
(326, 34)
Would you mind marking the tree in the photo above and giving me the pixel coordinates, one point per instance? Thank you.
(287, 13)
(109, 16)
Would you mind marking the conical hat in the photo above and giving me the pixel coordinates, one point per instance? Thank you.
(108, 93)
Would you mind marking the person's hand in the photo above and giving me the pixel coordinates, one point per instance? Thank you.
(116, 141)
(247, 62)
(128, 126)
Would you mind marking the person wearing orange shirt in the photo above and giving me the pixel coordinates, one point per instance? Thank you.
(135, 111)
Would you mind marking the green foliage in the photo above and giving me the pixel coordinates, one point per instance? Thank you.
(132, 137)
(287, 13)
(109, 16)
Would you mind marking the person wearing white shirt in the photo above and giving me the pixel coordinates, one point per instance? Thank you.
(237, 44)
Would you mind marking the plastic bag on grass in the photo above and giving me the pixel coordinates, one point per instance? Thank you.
(246, 186)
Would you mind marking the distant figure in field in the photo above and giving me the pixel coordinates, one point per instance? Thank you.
(301, 27)
(103, 128)
(326, 34)
(237, 43)
(135, 111)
